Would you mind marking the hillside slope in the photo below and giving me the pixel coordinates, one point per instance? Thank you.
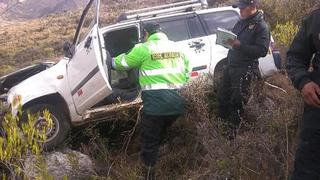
(26, 42)
(30, 9)
(22, 43)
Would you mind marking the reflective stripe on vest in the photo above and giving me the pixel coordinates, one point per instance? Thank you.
(162, 71)
(124, 63)
(163, 79)
(160, 86)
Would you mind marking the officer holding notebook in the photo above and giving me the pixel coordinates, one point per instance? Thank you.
(252, 42)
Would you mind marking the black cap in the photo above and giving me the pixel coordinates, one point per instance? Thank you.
(244, 3)
(151, 27)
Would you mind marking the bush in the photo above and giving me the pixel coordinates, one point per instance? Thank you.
(282, 11)
(266, 139)
(20, 140)
(284, 33)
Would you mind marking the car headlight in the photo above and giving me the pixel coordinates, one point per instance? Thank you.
(14, 100)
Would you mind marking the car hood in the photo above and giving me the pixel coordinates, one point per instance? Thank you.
(14, 78)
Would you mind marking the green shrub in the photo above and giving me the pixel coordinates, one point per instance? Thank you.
(20, 140)
(284, 33)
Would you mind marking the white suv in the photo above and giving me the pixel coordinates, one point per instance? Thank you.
(82, 88)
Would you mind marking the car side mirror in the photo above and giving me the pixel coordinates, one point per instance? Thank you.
(68, 49)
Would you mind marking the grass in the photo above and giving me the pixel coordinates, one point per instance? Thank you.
(198, 148)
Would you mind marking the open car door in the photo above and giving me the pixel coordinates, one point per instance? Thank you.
(87, 68)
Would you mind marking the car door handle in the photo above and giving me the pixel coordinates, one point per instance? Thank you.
(88, 42)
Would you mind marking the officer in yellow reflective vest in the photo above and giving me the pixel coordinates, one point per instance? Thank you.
(163, 69)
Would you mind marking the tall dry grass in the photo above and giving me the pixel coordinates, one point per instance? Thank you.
(266, 138)
(198, 146)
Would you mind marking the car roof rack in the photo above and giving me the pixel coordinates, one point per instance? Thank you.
(163, 9)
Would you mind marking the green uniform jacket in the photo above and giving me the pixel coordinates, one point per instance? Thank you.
(163, 69)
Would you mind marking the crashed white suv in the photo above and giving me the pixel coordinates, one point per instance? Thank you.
(82, 88)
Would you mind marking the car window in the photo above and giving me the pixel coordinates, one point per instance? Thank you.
(195, 27)
(176, 30)
(121, 40)
(88, 23)
(183, 28)
(223, 19)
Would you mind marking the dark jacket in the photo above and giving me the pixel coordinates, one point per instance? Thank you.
(305, 45)
(254, 35)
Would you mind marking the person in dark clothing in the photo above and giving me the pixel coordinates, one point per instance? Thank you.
(303, 53)
(253, 38)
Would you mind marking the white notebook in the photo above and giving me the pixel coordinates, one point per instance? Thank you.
(223, 35)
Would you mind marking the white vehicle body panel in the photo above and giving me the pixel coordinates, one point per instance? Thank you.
(84, 79)
(50, 81)
(87, 71)
(87, 74)
(199, 56)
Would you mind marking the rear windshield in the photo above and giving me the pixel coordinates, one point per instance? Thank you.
(223, 19)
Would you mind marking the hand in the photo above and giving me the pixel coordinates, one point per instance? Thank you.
(112, 63)
(310, 93)
(235, 44)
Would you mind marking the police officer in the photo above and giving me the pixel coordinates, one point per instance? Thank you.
(163, 69)
(252, 42)
(305, 51)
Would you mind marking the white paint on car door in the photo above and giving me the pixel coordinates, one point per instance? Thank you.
(87, 68)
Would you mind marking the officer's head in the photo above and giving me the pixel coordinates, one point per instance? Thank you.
(150, 28)
(247, 7)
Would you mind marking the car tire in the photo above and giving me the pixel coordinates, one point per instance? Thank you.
(60, 128)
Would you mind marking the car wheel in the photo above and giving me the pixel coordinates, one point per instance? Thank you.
(58, 132)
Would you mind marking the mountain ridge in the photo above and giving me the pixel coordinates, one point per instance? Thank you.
(32, 9)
